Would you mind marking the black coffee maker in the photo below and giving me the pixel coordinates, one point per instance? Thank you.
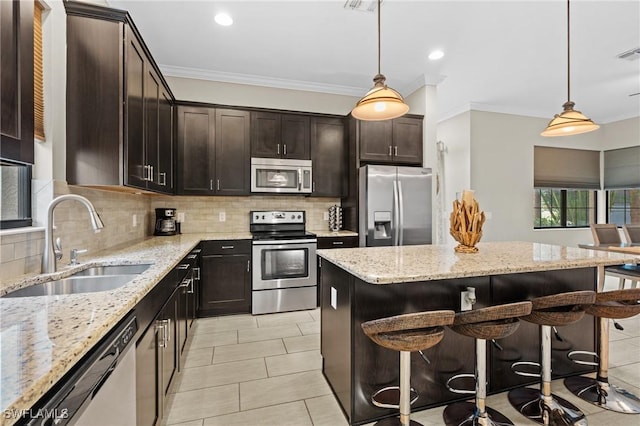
(165, 222)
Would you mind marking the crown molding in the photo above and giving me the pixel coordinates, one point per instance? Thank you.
(421, 81)
(255, 80)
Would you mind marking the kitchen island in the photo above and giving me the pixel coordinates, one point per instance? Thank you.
(361, 284)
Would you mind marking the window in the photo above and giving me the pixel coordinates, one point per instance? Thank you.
(623, 206)
(563, 208)
(15, 188)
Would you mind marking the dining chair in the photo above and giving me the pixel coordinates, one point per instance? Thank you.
(631, 233)
(607, 233)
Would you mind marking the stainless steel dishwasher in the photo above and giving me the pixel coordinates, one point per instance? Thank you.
(101, 390)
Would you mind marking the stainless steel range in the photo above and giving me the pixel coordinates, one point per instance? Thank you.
(284, 262)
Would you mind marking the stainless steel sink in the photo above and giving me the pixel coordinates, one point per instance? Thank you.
(74, 285)
(113, 270)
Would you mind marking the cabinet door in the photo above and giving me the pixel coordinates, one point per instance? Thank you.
(170, 351)
(295, 136)
(196, 150)
(376, 141)
(147, 375)
(164, 174)
(136, 173)
(407, 141)
(152, 127)
(329, 157)
(232, 152)
(226, 284)
(266, 131)
(16, 83)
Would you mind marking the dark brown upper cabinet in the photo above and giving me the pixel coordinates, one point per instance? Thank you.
(119, 107)
(329, 157)
(280, 135)
(16, 84)
(213, 151)
(397, 141)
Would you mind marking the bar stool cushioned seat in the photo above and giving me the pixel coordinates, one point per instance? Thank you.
(618, 304)
(541, 405)
(407, 333)
(491, 323)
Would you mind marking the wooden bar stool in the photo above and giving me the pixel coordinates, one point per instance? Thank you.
(495, 322)
(541, 405)
(617, 304)
(407, 333)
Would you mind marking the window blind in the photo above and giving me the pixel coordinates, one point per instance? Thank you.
(622, 168)
(566, 168)
(38, 91)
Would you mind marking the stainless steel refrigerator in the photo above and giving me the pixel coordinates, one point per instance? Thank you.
(394, 206)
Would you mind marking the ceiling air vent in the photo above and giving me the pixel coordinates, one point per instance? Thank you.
(630, 55)
(361, 5)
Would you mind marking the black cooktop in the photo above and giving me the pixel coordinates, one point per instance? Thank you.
(283, 235)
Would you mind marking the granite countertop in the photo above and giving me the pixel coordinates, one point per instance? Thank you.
(387, 265)
(43, 337)
(340, 233)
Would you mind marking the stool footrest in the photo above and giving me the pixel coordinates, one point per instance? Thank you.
(389, 397)
(461, 391)
(525, 373)
(571, 355)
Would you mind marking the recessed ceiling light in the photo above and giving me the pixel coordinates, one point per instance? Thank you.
(223, 19)
(436, 54)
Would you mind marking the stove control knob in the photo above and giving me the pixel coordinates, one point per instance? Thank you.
(257, 217)
(299, 217)
(293, 216)
(263, 217)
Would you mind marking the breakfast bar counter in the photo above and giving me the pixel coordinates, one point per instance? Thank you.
(361, 284)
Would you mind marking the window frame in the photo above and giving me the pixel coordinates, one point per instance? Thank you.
(24, 198)
(625, 209)
(563, 207)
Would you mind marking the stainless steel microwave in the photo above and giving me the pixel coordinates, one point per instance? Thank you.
(281, 175)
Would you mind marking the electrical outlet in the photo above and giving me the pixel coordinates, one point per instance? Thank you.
(467, 299)
(325, 216)
(181, 217)
(134, 220)
(222, 217)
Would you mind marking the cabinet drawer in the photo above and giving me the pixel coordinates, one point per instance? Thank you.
(337, 242)
(226, 247)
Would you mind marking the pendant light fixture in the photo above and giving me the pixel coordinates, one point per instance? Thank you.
(381, 102)
(570, 121)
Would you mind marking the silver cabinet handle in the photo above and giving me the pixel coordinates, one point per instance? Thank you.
(183, 266)
(285, 149)
(145, 170)
(313, 189)
(150, 173)
(217, 184)
(338, 243)
(395, 150)
(248, 265)
(389, 150)
(162, 178)
(197, 272)
(168, 325)
(278, 149)
(185, 283)
(191, 287)
(210, 184)
(162, 341)
(227, 247)
(192, 256)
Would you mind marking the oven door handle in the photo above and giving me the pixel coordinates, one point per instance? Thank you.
(283, 242)
(299, 179)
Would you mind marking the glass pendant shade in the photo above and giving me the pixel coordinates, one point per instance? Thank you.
(380, 103)
(569, 122)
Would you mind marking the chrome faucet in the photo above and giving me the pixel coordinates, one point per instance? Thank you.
(49, 255)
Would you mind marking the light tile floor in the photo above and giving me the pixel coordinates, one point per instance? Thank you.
(266, 370)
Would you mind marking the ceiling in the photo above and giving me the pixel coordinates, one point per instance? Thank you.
(504, 56)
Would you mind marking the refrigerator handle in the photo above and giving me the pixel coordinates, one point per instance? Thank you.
(396, 213)
(400, 215)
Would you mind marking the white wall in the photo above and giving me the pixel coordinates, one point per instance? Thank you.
(492, 153)
(260, 97)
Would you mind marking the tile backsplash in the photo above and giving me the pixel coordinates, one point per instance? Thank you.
(202, 214)
(21, 252)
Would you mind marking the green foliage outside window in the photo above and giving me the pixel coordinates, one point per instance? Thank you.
(563, 208)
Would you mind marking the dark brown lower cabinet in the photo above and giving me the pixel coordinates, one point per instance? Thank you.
(225, 285)
(147, 395)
